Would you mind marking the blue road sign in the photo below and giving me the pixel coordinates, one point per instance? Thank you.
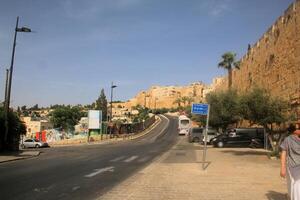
(200, 109)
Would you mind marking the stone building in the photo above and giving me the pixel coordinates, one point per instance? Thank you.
(36, 125)
(273, 62)
(164, 96)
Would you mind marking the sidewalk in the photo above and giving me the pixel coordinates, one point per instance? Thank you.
(234, 174)
(11, 156)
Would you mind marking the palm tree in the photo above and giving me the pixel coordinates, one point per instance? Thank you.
(184, 100)
(178, 101)
(229, 62)
(190, 100)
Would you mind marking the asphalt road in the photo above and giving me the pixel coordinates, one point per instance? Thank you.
(83, 172)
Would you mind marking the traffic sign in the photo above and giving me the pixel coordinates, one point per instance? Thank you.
(200, 109)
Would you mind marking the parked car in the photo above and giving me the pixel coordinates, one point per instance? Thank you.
(195, 134)
(242, 137)
(211, 133)
(34, 143)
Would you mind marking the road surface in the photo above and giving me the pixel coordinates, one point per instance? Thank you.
(83, 172)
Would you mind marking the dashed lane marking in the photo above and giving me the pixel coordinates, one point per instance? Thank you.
(132, 158)
(99, 171)
(117, 159)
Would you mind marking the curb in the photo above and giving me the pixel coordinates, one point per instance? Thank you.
(21, 156)
(145, 132)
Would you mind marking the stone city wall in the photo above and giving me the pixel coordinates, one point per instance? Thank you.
(273, 62)
(164, 96)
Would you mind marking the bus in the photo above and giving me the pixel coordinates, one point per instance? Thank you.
(184, 124)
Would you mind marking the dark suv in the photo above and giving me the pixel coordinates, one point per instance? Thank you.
(240, 137)
(195, 134)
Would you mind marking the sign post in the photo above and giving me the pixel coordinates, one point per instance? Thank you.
(202, 109)
(94, 121)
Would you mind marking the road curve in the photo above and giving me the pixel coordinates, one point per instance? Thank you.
(84, 172)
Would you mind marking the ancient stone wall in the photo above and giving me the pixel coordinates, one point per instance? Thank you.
(164, 96)
(273, 62)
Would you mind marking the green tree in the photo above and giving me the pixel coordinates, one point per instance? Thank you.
(189, 100)
(23, 108)
(16, 129)
(224, 108)
(35, 107)
(101, 104)
(143, 113)
(229, 62)
(66, 117)
(259, 107)
(184, 100)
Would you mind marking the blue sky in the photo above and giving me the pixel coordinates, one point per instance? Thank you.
(81, 46)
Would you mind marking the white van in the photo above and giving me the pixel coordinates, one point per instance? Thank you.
(184, 124)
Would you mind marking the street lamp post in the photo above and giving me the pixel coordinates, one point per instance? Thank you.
(7, 100)
(6, 85)
(111, 104)
(111, 99)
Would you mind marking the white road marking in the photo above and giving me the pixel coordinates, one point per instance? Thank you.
(165, 127)
(144, 159)
(98, 171)
(131, 158)
(75, 188)
(117, 159)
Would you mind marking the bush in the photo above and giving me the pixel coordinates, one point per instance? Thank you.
(15, 130)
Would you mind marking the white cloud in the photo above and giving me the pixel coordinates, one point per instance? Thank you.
(86, 9)
(216, 8)
(77, 12)
(219, 9)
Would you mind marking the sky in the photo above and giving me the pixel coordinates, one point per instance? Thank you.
(78, 47)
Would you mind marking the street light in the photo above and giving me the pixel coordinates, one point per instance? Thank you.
(111, 99)
(6, 85)
(7, 100)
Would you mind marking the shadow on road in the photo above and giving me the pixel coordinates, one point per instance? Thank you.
(272, 195)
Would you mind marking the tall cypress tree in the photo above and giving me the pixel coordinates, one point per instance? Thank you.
(101, 104)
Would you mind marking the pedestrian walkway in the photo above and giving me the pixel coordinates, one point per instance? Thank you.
(233, 174)
(11, 156)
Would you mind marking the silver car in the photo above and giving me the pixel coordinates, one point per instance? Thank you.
(34, 143)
